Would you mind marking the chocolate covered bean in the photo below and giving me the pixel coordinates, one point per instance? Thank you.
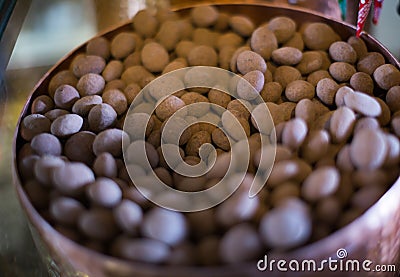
(164, 225)
(331, 146)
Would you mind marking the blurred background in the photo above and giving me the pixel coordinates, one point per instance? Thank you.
(43, 32)
(52, 28)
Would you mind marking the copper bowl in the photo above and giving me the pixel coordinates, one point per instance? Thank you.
(374, 236)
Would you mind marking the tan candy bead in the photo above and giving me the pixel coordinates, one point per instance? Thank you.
(311, 61)
(225, 55)
(46, 144)
(248, 61)
(341, 51)
(105, 165)
(358, 45)
(154, 57)
(66, 210)
(113, 70)
(136, 74)
(249, 87)
(287, 56)
(343, 159)
(283, 192)
(342, 71)
(322, 182)
(219, 97)
(196, 141)
(83, 105)
(242, 25)
(363, 82)
(263, 41)
(366, 197)
(64, 77)
(65, 96)
(233, 63)
(328, 210)
(305, 110)
(122, 45)
(340, 94)
(237, 129)
(395, 124)
(393, 98)
(169, 34)
(71, 178)
(387, 76)
(393, 153)
(295, 41)
(145, 23)
(99, 46)
(322, 121)
(366, 122)
(239, 207)
(116, 99)
(385, 115)
(318, 75)
(376, 177)
(298, 90)
(220, 139)
(239, 108)
(33, 125)
(368, 149)
(104, 192)
(204, 16)
(241, 243)
(78, 147)
(55, 113)
(193, 98)
(283, 28)
(128, 216)
(369, 62)
(44, 167)
(183, 48)
(101, 117)
(363, 104)
(319, 36)
(229, 39)
(98, 224)
(164, 225)
(133, 59)
(283, 171)
(287, 109)
(315, 146)
(84, 64)
(90, 84)
(342, 124)
(111, 141)
(203, 36)
(285, 75)
(285, 227)
(42, 104)
(66, 125)
(271, 92)
(168, 107)
(294, 133)
(202, 55)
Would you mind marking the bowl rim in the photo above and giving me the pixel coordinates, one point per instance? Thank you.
(378, 210)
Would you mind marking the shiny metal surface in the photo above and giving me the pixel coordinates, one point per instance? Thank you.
(375, 235)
